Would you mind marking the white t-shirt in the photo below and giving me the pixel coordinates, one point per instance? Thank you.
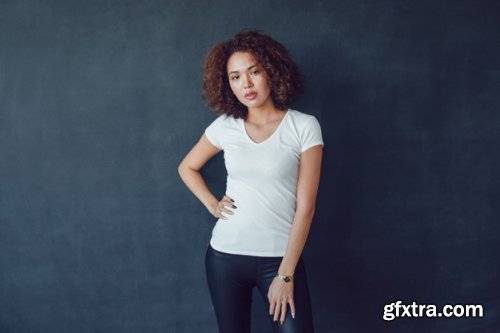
(262, 180)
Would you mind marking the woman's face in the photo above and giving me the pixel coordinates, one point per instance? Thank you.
(248, 80)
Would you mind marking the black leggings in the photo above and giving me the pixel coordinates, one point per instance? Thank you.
(231, 278)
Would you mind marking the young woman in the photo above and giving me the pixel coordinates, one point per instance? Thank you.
(272, 154)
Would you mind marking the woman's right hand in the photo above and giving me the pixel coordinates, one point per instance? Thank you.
(220, 208)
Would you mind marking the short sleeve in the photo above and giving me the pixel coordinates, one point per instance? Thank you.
(311, 135)
(213, 132)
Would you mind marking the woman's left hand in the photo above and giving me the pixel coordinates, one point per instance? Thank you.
(280, 294)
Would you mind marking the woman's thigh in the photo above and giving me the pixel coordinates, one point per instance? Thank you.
(303, 322)
(230, 281)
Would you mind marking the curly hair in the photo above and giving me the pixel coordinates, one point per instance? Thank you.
(285, 80)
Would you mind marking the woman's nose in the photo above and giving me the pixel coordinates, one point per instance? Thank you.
(247, 83)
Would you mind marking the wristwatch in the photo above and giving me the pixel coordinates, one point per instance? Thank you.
(285, 278)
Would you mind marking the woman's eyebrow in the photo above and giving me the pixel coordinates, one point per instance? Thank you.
(247, 69)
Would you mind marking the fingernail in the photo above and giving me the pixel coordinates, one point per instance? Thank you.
(293, 315)
(232, 200)
(234, 206)
(281, 323)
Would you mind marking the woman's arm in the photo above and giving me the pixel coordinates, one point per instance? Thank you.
(307, 189)
(189, 172)
(281, 293)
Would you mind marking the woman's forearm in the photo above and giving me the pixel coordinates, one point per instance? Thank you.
(296, 242)
(196, 184)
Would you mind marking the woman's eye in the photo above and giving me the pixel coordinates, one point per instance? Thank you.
(234, 77)
(255, 72)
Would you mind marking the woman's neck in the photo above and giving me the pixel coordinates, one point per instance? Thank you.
(263, 114)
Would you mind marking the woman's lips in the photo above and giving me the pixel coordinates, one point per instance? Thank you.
(251, 96)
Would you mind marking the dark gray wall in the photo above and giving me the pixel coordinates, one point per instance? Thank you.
(100, 100)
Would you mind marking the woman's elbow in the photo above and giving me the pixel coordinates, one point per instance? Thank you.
(181, 169)
(184, 169)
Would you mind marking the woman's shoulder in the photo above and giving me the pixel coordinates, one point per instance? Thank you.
(308, 130)
(301, 118)
(221, 124)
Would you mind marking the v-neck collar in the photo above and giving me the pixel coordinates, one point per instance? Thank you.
(271, 136)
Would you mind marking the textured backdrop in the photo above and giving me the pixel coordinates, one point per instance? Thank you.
(100, 101)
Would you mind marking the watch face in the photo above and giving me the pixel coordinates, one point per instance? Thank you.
(287, 279)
